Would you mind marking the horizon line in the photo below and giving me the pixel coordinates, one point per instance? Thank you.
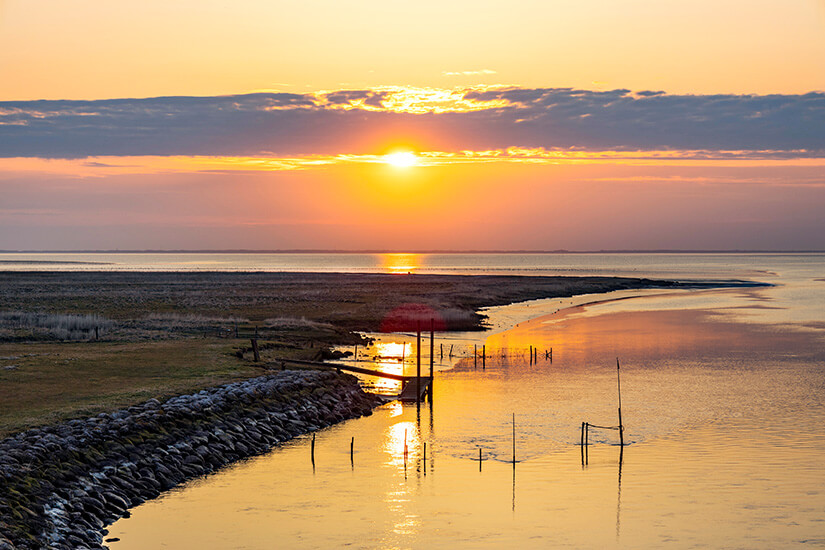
(419, 251)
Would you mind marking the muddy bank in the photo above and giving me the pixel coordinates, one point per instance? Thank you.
(63, 484)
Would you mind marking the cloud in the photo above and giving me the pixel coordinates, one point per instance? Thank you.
(355, 122)
(469, 73)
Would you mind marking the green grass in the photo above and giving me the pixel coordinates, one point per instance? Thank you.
(57, 381)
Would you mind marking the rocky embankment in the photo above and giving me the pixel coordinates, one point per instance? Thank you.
(60, 486)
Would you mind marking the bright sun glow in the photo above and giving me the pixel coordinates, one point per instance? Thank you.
(401, 160)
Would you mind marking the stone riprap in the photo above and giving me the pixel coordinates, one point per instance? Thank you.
(61, 485)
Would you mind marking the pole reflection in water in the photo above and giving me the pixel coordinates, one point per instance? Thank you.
(514, 488)
(619, 494)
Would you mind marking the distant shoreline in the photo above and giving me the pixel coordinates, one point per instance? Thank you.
(379, 251)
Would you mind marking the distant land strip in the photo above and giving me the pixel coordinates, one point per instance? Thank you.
(381, 251)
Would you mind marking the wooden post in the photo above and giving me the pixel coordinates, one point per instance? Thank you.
(351, 451)
(581, 436)
(432, 360)
(475, 356)
(425, 458)
(586, 434)
(97, 333)
(418, 363)
(441, 346)
(531, 355)
(451, 352)
(403, 354)
(405, 445)
(255, 351)
(619, 383)
(312, 450)
(479, 459)
(514, 440)
(484, 356)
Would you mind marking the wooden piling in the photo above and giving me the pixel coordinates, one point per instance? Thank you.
(619, 384)
(479, 459)
(255, 352)
(514, 440)
(483, 356)
(441, 347)
(405, 446)
(418, 363)
(432, 360)
(352, 451)
(312, 450)
(451, 352)
(531, 355)
(475, 356)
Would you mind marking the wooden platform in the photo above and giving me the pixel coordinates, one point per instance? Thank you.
(408, 383)
(409, 387)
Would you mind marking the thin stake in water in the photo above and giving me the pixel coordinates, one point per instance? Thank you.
(619, 383)
(312, 451)
(514, 440)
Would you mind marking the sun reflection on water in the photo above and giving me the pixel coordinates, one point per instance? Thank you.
(399, 263)
(402, 438)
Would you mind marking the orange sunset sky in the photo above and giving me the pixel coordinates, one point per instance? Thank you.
(426, 125)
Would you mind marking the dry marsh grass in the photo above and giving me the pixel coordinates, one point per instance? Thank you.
(54, 326)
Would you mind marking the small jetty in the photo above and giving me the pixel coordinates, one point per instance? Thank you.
(412, 391)
(413, 388)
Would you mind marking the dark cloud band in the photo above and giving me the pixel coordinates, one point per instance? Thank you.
(354, 122)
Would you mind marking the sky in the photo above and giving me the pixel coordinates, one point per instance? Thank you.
(403, 126)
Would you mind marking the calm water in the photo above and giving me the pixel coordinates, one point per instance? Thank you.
(722, 402)
(636, 265)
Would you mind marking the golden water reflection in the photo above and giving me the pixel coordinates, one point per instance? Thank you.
(400, 263)
(402, 443)
(725, 424)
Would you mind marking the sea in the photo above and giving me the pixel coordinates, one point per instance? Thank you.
(722, 406)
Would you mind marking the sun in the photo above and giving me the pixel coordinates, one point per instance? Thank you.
(403, 159)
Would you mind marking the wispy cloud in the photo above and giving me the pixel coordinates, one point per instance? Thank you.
(98, 167)
(482, 72)
(346, 122)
